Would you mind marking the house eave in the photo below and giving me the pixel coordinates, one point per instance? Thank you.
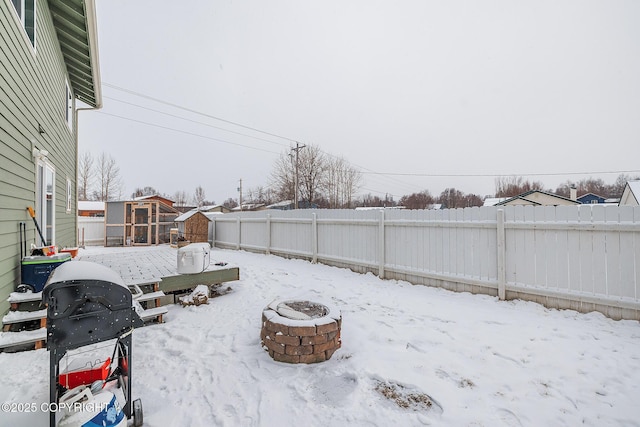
(76, 27)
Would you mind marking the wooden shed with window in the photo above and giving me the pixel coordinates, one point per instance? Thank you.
(193, 226)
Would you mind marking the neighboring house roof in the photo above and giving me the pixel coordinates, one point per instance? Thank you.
(75, 24)
(492, 201)
(378, 208)
(538, 198)
(631, 194)
(249, 207)
(90, 205)
(212, 215)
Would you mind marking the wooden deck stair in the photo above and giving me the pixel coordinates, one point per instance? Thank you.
(19, 316)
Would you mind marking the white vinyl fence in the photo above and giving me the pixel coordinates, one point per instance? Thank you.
(90, 231)
(583, 258)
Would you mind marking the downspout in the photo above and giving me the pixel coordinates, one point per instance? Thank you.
(92, 36)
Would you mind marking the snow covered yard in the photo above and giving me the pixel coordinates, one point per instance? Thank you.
(481, 362)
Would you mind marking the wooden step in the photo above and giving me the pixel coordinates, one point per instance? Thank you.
(24, 299)
(18, 297)
(151, 296)
(155, 313)
(13, 339)
(14, 317)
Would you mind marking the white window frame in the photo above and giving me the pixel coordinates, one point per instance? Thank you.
(46, 209)
(68, 112)
(20, 7)
(69, 195)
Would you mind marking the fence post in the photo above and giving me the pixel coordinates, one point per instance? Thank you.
(314, 237)
(268, 251)
(501, 255)
(239, 235)
(213, 233)
(381, 245)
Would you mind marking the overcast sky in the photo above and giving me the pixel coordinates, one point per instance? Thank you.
(466, 89)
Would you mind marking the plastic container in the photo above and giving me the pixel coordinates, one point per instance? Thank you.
(72, 251)
(194, 258)
(85, 376)
(35, 270)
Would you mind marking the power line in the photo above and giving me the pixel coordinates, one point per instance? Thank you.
(185, 132)
(226, 121)
(195, 111)
(195, 121)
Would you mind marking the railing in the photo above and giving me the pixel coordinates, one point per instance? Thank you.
(584, 258)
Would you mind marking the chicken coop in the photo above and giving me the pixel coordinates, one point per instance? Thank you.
(138, 222)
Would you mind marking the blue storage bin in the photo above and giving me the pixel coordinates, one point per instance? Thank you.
(35, 270)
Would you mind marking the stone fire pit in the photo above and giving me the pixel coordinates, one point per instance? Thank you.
(298, 331)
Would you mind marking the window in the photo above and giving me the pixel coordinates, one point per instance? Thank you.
(45, 200)
(69, 196)
(68, 112)
(26, 10)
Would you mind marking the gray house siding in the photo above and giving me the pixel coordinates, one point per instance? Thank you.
(32, 94)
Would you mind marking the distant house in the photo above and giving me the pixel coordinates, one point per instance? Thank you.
(49, 61)
(492, 201)
(287, 205)
(250, 207)
(90, 208)
(590, 199)
(538, 198)
(631, 194)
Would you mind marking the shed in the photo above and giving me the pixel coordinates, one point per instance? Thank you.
(193, 226)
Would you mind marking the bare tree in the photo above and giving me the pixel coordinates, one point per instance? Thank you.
(146, 191)
(199, 196)
(86, 175)
(230, 203)
(259, 195)
(283, 177)
(422, 200)
(452, 198)
(311, 169)
(181, 198)
(509, 186)
(341, 182)
(109, 180)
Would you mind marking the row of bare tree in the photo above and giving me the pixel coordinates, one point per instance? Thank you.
(322, 179)
(325, 181)
(99, 178)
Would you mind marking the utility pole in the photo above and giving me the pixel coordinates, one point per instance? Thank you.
(295, 185)
(240, 190)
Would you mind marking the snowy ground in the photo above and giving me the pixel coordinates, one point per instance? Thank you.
(481, 361)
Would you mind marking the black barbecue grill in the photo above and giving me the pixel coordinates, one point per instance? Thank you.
(89, 303)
